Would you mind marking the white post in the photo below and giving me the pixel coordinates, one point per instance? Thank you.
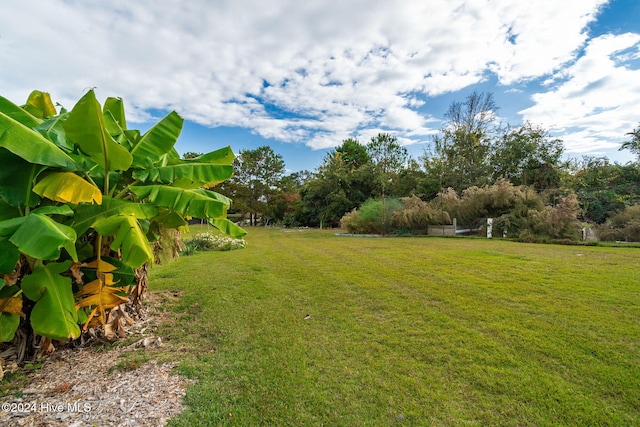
(489, 228)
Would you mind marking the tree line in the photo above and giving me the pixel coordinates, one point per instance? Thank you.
(472, 155)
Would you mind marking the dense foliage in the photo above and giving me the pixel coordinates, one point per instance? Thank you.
(603, 188)
(475, 169)
(518, 212)
(258, 174)
(624, 226)
(83, 200)
(373, 217)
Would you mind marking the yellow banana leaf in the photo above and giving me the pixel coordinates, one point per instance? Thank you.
(67, 187)
(11, 305)
(40, 105)
(99, 294)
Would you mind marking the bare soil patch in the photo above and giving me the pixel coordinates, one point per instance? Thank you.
(93, 386)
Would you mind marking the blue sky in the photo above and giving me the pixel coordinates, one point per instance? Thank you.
(303, 76)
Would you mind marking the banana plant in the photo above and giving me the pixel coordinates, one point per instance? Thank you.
(73, 183)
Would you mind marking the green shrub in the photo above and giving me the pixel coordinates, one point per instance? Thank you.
(509, 205)
(416, 215)
(212, 242)
(373, 217)
(556, 222)
(496, 200)
(624, 226)
(448, 203)
(352, 223)
(187, 250)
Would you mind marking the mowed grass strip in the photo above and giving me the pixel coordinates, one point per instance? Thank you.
(307, 328)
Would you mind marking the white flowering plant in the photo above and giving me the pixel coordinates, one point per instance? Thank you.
(213, 242)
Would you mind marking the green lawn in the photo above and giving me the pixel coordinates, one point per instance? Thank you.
(406, 331)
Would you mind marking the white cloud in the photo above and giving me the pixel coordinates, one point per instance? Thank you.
(314, 71)
(541, 36)
(596, 101)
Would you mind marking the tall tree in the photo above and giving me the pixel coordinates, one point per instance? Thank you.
(344, 180)
(387, 155)
(528, 155)
(475, 116)
(633, 144)
(460, 155)
(603, 188)
(257, 176)
(284, 202)
(412, 180)
(389, 159)
(354, 155)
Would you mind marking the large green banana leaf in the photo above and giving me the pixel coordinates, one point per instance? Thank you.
(9, 258)
(129, 238)
(213, 195)
(186, 175)
(85, 127)
(17, 177)
(64, 210)
(131, 137)
(67, 187)
(8, 325)
(36, 229)
(117, 133)
(115, 107)
(10, 226)
(87, 215)
(18, 114)
(53, 130)
(7, 211)
(167, 218)
(30, 145)
(54, 314)
(229, 228)
(157, 141)
(196, 203)
(222, 156)
(10, 252)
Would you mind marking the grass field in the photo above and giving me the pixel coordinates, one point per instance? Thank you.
(404, 331)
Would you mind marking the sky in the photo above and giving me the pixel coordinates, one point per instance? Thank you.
(302, 77)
